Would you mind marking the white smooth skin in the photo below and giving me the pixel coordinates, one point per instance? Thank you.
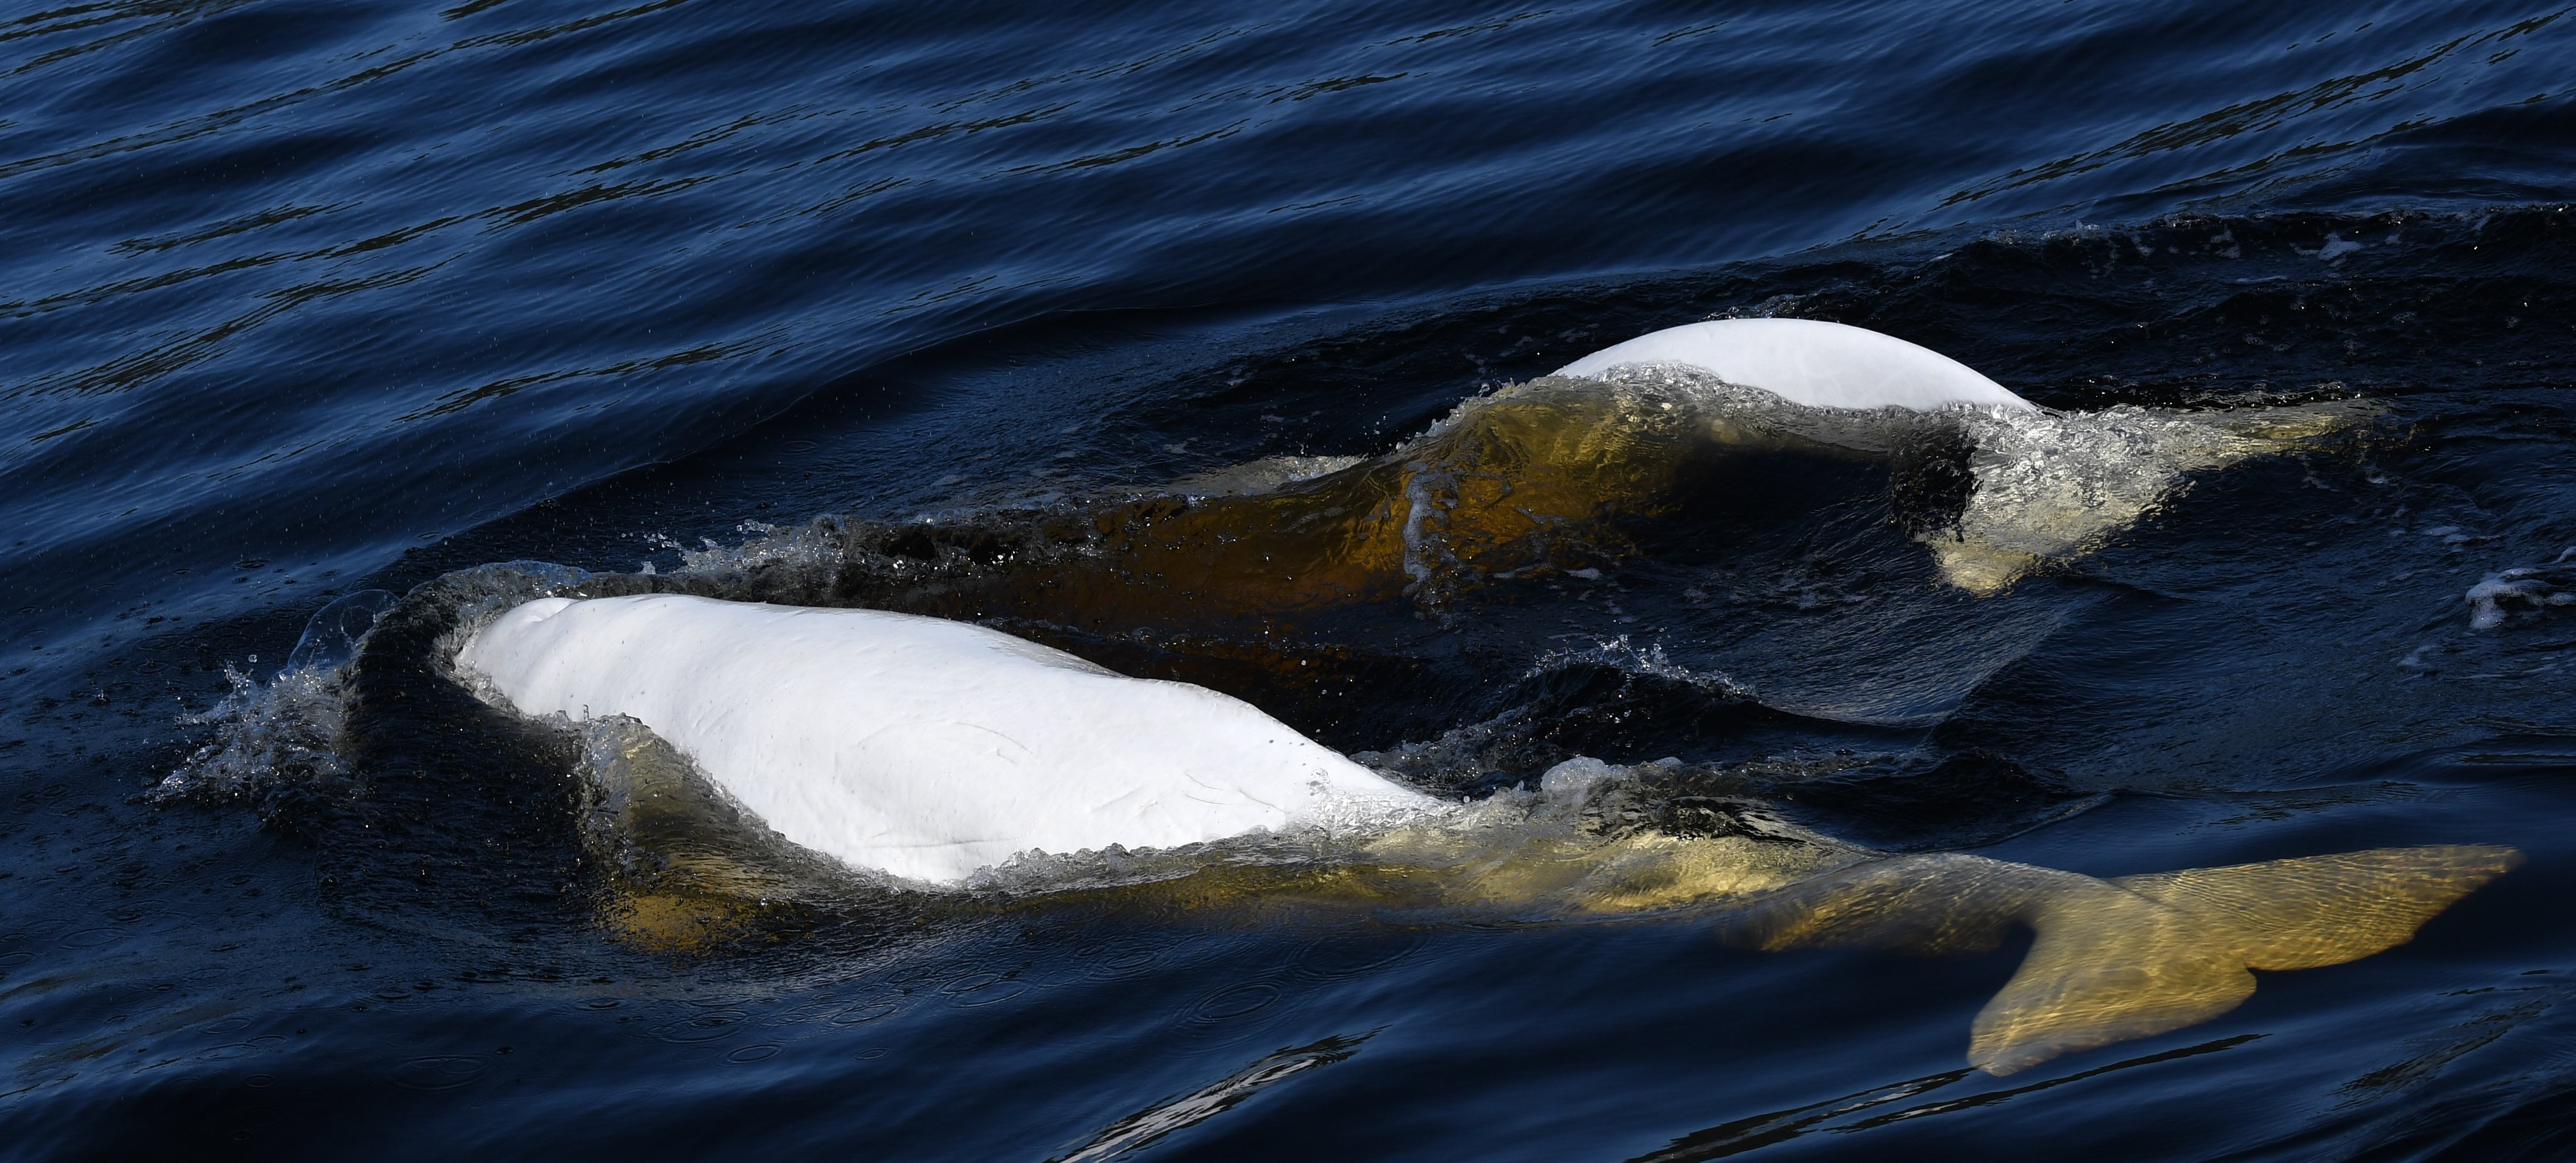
(917, 746)
(1810, 362)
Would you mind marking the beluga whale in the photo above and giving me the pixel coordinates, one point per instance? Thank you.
(931, 750)
(914, 745)
(1571, 472)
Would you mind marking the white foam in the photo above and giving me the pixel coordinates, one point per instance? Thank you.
(1810, 362)
(2524, 587)
(917, 746)
(264, 736)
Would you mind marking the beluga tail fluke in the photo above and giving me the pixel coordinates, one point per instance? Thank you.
(2132, 956)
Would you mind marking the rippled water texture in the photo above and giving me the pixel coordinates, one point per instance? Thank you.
(942, 307)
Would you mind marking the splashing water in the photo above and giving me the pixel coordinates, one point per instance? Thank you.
(266, 735)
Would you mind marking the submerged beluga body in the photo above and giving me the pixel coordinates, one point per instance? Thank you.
(931, 750)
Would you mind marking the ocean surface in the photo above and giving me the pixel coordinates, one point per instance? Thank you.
(301, 302)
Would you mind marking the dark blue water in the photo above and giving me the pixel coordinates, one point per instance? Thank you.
(298, 300)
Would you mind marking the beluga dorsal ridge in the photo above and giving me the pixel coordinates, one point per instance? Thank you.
(1809, 362)
(919, 747)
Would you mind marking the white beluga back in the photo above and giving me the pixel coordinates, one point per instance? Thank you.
(1809, 362)
(916, 746)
